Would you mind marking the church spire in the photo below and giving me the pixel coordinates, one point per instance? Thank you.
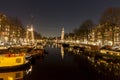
(62, 34)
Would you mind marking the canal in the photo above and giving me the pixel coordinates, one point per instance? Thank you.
(66, 64)
(59, 64)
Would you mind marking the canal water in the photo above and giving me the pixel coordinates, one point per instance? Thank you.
(65, 64)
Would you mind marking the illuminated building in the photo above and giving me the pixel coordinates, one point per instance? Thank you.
(30, 34)
(62, 35)
(11, 30)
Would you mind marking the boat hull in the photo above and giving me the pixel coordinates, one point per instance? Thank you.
(16, 67)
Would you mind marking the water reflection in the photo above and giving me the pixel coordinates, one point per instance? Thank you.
(77, 65)
(62, 52)
(101, 68)
(54, 45)
(16, 75)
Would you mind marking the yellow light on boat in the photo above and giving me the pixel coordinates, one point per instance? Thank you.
(10, 78)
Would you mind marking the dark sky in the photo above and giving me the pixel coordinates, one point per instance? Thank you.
(49, 16)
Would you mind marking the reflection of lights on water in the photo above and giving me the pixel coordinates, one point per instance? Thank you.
(53, 45)
(49, 45)
(62, 52)
(70, 49)
(15, 75)
(29, 70)
(10, 78)
(12, 75)
(107, 68)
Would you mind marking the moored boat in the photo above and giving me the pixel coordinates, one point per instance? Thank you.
(109, 54)
(37, 51)
(13, 60)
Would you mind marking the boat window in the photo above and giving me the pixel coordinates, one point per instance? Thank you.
(18, 75)
(1, 79)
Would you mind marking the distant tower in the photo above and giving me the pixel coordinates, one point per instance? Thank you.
(30, 34)
(62, 35)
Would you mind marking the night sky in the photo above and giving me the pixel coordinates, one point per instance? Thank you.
(49, 16)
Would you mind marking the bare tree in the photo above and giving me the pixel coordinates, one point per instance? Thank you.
(85, 29)
(111, 16)
(110, 19)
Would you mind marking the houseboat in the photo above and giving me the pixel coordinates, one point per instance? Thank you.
(12, 59)
(37, 51)
(110, 54)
